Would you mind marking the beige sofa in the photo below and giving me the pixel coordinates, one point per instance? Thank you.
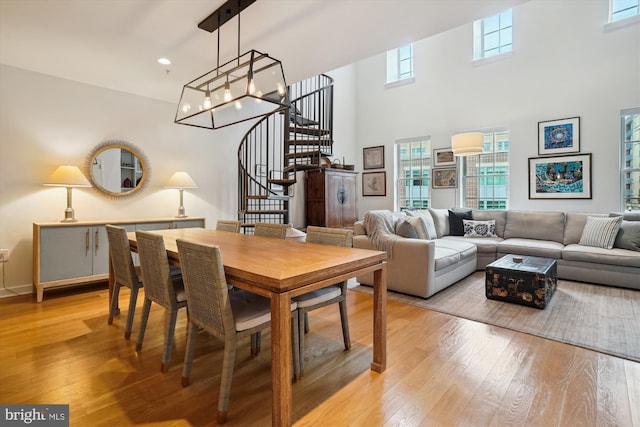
(423, 265)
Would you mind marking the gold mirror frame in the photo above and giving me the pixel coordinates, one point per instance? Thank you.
(139, 160)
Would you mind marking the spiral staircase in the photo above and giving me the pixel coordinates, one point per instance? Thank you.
(280, 146)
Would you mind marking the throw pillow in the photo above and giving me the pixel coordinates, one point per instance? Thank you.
(404, 228)
(427, 219)
(456, 227)
(628, 236)
(479, 228)
(600, 232)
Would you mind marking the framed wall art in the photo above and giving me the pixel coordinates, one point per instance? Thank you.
(559, 136)
(443, 157)
(561, 177)
(374, 183)
(444, 178)
(373, 157)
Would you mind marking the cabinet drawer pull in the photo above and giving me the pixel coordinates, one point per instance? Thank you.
(87, 244)
(97, 244)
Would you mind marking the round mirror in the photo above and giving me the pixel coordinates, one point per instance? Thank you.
(118, 169)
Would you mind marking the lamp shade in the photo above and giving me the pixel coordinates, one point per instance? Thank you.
(245, 88)
(467, 144)
(68, 176)
(181, 180)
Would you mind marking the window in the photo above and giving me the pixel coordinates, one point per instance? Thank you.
(621, 9)
(630, 137)
(485, 177)
(413, 168)
(492, 35)
(400, 64)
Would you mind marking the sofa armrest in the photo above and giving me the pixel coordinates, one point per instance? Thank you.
(410, 270)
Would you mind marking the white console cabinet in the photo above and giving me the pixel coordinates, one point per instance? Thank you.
(66, 254)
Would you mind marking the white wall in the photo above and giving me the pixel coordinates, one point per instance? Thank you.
(46, 121)
(564, 64)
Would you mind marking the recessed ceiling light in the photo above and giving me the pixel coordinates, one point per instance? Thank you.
(164, 61)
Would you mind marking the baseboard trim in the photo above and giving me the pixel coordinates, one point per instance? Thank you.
(15, 291)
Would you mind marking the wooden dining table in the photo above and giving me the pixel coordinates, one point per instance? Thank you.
(281, 270)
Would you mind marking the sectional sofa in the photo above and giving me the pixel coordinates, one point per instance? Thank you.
(432, 249)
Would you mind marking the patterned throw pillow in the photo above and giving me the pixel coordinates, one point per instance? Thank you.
(479, 228)
(600, 232)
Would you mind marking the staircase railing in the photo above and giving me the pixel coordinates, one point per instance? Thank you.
(278, 146)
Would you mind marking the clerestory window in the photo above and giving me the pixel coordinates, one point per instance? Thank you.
(493, 35)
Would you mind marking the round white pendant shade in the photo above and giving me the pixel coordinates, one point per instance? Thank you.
(467, 144)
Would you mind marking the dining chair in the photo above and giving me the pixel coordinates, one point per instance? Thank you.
(325, 296)
(228, 225)
(267, 229)
(124, 274)
(161, 287)
(227, 316)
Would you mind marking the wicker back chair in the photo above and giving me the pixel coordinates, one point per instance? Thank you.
(161, 287)
(227, 316)
(266, 229)
(124, 273)
(325, 296)
(228, 225)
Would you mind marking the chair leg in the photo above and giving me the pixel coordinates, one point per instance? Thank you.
(114, 303)
(192, 334)
(295, 345)
(133, 299)
(306, 322)
(345, 324)
(302, 316)
(256, 341)
(143, 322)
(228, 361)
(172, 317)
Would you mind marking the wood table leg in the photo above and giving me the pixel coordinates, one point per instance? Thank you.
(281, 369)
(380, 319)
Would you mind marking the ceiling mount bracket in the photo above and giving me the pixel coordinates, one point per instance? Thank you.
(223, 14)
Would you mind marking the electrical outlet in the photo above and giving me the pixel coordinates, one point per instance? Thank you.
(4, 255)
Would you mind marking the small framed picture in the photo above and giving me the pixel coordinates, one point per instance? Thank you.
(443, 157)
(374, 183)
(559, 136)
(561, 177)
(261, 170)
(444, 178)
(373, 157)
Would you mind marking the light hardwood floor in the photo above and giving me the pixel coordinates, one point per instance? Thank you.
(442, 371)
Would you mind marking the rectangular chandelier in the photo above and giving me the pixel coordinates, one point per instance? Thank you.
(247, 87)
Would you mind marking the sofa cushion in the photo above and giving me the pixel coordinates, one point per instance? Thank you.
(482, 229)
(449, 252)
(574, 225)
(535, 225)
(456, 227)
(441, 221)
(500, 217)
(484, 245)
(628, 236)
(600, 232)
(427, 219)
(406, 228)
(595, 255)
(532, 247)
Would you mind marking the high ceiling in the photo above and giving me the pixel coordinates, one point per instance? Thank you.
(116, 43)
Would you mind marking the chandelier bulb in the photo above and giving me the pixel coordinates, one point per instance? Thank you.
(227, 92)
(207, 100)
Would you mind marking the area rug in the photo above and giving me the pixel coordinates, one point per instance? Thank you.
(600, 318)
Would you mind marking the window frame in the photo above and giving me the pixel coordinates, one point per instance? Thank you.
(479, 35)
(613, 11)
(624, 169)
(485, 203)
(426, 162)
(394, 61)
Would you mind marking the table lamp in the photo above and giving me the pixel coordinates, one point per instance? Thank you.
(69, 177)
(181, 180)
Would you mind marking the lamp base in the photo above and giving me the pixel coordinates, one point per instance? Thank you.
(69, 215)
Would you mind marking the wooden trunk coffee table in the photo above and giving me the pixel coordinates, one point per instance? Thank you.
(520, 279)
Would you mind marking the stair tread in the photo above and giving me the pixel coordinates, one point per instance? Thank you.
(309, 131)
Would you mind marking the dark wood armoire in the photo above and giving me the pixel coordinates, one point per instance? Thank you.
(331, 197)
